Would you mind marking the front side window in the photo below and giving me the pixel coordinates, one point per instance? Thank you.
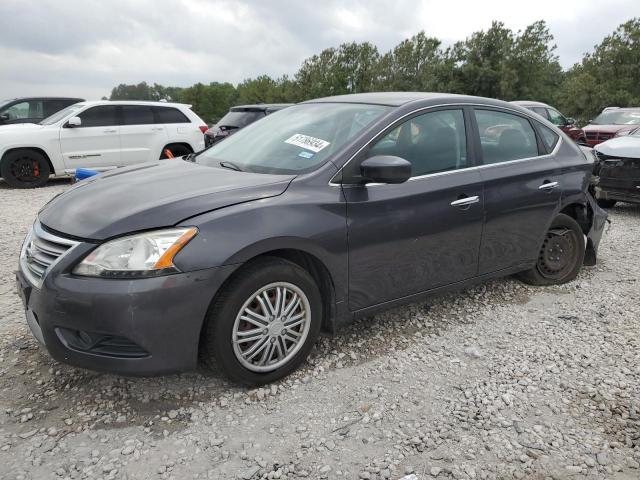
(137, 115)
(433, 142)
(24, 110)
(297, 139)
(504, 136)
(100, 116)
(557, 118)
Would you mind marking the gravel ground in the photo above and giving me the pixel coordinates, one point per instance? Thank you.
(501, 381)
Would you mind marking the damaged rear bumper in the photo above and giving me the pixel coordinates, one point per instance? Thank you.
(598, 221)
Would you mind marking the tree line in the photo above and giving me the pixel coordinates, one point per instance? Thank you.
(497, 63)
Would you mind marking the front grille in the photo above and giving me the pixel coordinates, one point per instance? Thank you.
(40, 251)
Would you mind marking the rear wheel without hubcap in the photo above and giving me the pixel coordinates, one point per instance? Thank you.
(561, 254)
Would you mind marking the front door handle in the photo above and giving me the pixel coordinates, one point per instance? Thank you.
(110, 131)
(548, 186)
(465, 202)
(157, 129)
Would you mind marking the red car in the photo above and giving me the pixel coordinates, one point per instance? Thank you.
(612, 122)
(566, 124)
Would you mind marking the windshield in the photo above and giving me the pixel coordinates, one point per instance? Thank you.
(635, 133)
(293, 140)
(618, 117)
(56, 117)
(239, 119)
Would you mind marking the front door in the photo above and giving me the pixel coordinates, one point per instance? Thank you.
(424, 233)
(522, 189)
(95, 143)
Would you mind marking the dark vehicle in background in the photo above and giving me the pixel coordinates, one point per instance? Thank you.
(566, 124)
(330, 210)
(612, 122)
(239, 117)
(32, 109)
(617, 170)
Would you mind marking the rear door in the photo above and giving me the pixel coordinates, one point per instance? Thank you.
(141, 138)
(421, 234)
(522, 189)
(95, 143)
(178, 128)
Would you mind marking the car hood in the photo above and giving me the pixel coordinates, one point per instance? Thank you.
(152, 195)
(19, 127)
(607, 128)
(626, 147)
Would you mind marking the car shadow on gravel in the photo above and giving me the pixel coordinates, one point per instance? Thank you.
(52, 182)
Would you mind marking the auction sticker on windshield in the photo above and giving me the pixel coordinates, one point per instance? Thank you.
(305, 141)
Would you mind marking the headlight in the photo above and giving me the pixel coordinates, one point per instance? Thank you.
(143, 255)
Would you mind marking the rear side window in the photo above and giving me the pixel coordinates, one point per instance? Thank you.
(101, 116)
(432, 142)
(505, 136)
(137, 115)
(540, 111)
(549, 137)
(170, 115)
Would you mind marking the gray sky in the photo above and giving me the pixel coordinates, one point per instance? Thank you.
(85, 47)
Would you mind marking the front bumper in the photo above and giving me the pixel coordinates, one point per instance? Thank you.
(144, 326)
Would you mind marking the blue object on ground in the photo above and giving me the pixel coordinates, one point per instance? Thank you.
(82, 173)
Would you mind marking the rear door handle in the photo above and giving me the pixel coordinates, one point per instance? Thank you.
(466, 201)
(548, 186)
(110, 131)
(157, 129)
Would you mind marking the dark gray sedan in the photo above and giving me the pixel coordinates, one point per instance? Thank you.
(320, 213)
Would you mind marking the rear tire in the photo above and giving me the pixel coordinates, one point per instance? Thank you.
(176, 150)
(252, 350)
(25, 169)
(606, 203)
(561, 255)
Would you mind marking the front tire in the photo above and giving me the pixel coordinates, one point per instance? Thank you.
(25, 169)
(561, 255)
(263, 323)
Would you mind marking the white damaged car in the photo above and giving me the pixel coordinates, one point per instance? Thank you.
(98, 135)
(617, 170)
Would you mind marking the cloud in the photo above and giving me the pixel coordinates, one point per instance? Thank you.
(85, 47)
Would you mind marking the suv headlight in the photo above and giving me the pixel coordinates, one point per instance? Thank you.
(146, 254)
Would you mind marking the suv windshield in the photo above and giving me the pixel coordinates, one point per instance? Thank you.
(56, 117)
(239, 119)
(294, 140)
(618, 117)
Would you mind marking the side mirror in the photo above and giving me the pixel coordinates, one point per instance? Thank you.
(590, 121)
(385, 169)
(571, 121)
(74, 122)
(4, 117)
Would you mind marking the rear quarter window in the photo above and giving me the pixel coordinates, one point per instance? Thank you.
(549, 137)
(170, 115)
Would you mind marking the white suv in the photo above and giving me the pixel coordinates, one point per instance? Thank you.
(97, 135)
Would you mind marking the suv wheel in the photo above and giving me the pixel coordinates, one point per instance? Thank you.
(176, 151)
(561, 255)
(25, 169)
(264, 323)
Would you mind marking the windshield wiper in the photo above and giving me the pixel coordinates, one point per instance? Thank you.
(191, 157)
(230, 166)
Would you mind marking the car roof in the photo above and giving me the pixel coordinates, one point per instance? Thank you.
(397, 99)
(530, 103)
(621, 109)
(134, 102)
(7, 100)
(261, 106)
